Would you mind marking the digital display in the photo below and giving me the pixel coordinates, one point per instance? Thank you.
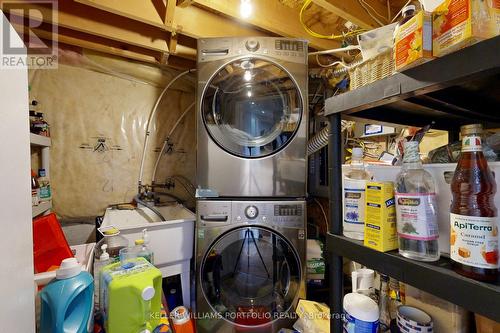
(287, 210)
(289, 45)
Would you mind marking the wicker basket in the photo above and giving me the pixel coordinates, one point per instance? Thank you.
(372, 70)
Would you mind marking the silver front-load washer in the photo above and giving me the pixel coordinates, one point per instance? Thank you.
(251, 117)
(250, 264)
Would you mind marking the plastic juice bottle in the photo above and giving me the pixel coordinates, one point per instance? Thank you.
(66, 302)
(43, 180)
(354, 196)
(416, 208)
(473, 215)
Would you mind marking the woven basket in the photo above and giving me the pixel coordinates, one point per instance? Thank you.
(372, 70)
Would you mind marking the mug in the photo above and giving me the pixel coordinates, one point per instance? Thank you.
(362, 279)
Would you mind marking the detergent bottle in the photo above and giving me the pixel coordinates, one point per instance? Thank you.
(66, 302)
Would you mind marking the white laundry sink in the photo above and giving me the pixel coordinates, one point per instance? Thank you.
(171, 240)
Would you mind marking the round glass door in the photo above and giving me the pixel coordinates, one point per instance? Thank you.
(250, 276)
(251, 108)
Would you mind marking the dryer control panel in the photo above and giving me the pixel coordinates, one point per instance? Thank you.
(286, 49)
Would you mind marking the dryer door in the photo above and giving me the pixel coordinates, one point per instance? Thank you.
(250, 275)
(251, 108)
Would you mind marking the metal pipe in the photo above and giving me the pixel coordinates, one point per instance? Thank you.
(335, 270)
(151, 115)
(138, 199)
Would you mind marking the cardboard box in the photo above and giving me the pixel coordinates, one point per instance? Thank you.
(380, 217)
(460, 23)
(413, 42)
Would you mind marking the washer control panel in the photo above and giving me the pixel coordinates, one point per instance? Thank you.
(251, 212)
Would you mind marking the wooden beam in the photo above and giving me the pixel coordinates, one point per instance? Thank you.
(81, 18)
(353, 11)
(205, 19)
(184, 3)
(271, 16)
(170, 14)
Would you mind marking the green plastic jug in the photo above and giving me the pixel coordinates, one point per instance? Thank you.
(131, 296)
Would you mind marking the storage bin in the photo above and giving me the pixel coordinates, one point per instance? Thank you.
(49, 243)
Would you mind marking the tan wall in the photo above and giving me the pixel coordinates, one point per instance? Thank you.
(82, 105)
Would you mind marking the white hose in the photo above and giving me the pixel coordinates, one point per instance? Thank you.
(318, 141)
(151, 115)
(167, 139)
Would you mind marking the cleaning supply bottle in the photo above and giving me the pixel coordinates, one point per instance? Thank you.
(66, 302)
(103, 260)
(43, 180)
(354, 184)
(142, 247)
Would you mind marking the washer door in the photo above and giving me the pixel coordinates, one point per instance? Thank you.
(251, 108)
(250, 275)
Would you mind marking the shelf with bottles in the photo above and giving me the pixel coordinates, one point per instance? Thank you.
(437, 278)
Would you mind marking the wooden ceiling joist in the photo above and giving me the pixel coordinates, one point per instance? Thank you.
(353, 11)
(271, 16)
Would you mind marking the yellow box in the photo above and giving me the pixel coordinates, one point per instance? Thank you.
(380, 217)
(315, 316)
(460, 23)
(413, 41)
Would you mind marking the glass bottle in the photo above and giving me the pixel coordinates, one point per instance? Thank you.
(383, 304)
(354, 183)
(473, 215)
(416, 208)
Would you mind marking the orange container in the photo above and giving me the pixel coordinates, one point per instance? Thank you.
(181, 320)
(49, 243)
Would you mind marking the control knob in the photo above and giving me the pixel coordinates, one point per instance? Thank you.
(251, 212)
(252, 45)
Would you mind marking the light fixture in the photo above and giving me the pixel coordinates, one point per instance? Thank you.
(246, 8)
(247, 76)
(249, 93)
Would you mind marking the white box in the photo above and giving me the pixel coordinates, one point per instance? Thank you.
(442, 174)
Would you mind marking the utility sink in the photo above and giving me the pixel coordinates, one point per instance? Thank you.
(171, 240)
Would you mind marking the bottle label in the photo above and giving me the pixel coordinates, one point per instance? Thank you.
(417, 216)
(471, 143)
(354, 201)
(474, 240)
(353, 324)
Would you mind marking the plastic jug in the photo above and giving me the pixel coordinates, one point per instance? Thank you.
(363, 281)
(131, 296)
(66, 302)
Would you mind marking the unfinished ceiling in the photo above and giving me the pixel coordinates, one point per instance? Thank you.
(164, 32)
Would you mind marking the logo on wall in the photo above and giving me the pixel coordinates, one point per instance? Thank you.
(101, 145)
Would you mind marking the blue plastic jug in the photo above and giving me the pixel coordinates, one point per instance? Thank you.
(67, 301)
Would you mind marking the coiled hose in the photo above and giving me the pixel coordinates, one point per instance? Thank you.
(318, 141)
(138, 199)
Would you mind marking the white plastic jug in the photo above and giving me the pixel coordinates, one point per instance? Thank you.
(66, 302)
(363, 280)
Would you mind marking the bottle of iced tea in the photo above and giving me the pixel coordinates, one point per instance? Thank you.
(473, 215)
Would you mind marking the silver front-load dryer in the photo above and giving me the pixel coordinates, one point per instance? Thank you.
(250, 265)
(251, 117)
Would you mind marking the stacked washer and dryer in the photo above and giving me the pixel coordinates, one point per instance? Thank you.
(251, 174)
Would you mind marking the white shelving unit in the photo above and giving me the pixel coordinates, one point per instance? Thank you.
(44, 143)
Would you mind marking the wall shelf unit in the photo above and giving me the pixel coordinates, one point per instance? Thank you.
(44, 143)
(460, 88)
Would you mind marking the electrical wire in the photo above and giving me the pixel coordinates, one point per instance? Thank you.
(322, 211)
(318, 35)
(400, 11)
(366, 6)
